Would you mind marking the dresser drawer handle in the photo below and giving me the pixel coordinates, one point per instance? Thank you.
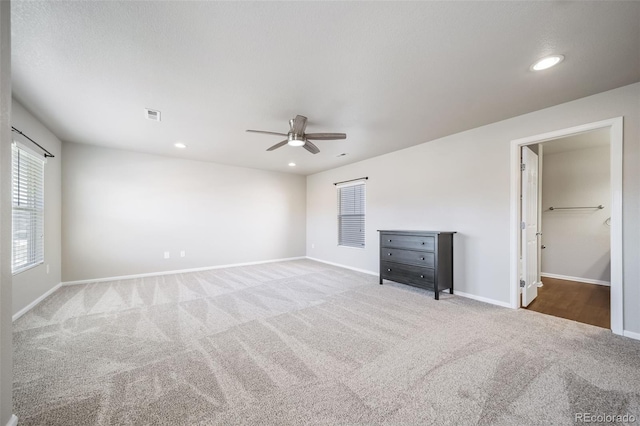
(423, 243)
(422, 258)
(389, 240)
(421, 276)
(389, 254)
(388, 269)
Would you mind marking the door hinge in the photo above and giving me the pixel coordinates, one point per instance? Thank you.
(523, 225)
(522, 167)
(521, 283)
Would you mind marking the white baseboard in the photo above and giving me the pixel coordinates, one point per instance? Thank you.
(178, 271)
(32, 305)
(13, 421)
(455, 292)
(577, 279)
(631, 334)
(364, 271)
(481, 299)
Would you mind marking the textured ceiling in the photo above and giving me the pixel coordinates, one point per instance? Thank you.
(389, 74)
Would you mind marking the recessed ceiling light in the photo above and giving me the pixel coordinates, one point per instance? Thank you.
(341, 155)
(547, 62)
(292, 164)
(179, 145)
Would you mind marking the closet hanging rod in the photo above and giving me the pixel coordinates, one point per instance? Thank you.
(600, 207)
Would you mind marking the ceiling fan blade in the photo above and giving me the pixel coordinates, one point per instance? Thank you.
(325, 136)
(267, 133)
(278, 145)
(311, 147)
(299, 124)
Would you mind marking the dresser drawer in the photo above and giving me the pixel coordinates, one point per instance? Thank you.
(423, 277)
(410, 242)
(418, 258)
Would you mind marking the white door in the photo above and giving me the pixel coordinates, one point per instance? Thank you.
(529, 226)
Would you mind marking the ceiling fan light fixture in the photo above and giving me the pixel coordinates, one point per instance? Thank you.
(547, 62)
(295, 140)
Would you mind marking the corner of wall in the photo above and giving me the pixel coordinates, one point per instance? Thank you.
(6, 346)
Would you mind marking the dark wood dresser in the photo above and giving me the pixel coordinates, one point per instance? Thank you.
(419, 258)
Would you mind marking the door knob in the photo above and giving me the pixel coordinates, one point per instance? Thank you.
(543, 246)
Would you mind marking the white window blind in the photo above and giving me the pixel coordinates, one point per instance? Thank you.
(351, 210)
(27, 182)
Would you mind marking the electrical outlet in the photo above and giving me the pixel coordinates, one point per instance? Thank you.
(47, 268)
(182, 253)
(167, 255)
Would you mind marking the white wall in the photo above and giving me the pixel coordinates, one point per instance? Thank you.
(461, 183)
(577, 241)
(122, 210)
(34, 282)
(6, 347)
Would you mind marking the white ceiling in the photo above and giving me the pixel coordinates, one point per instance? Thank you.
(593, 139)
(390, 75)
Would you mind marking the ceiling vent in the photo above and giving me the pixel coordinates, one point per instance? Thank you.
(152, 114)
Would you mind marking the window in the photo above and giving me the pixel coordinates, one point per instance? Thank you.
(351, 215)
(27, 202)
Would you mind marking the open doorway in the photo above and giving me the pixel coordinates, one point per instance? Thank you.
(573, 228)
(572, 260)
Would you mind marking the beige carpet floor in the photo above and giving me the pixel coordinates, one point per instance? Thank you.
(302, 342)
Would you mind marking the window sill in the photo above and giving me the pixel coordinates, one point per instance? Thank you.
(25, 269)
(351, 247)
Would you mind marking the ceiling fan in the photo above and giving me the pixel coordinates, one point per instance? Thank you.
(297, 136)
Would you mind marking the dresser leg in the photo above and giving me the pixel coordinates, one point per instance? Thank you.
(437, 295)
(380, 280)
